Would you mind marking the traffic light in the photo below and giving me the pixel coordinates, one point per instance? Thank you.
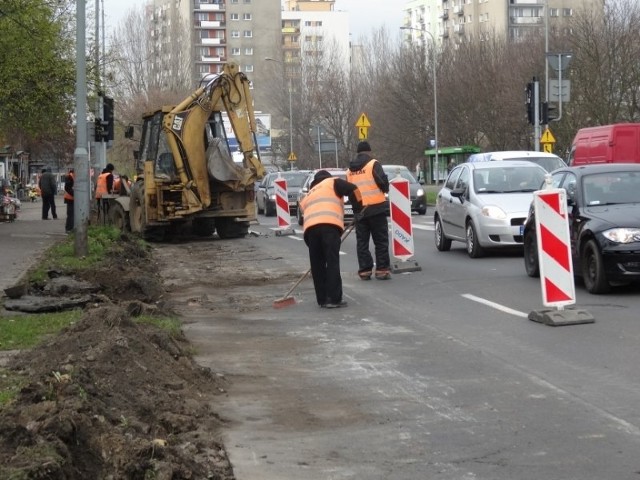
(547, 113)
(530, 103)
(109, 116)
(98, 130)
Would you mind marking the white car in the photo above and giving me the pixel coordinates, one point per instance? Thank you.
(548, 161)
(485, 204)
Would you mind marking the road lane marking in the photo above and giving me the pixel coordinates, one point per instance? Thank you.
(495, 305)
(423, 227)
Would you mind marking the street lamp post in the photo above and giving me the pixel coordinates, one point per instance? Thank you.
(290, 114)
(435, 96)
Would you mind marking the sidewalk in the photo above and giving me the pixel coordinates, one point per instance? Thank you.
(23, 241)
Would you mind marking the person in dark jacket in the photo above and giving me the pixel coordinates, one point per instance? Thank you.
(367, 173)
(68, 199)
(323, 209)
(48, 189)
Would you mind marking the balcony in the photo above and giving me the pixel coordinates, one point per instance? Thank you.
(291, 45)
(445, 14)
(208, 7)
(212, 59)
(459, 29)
(290, 30)
(445, 34)
(458, 9)
(209, 24)
(525, 20)
(212, 41)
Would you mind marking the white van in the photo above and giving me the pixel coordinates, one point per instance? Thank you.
(548, 161)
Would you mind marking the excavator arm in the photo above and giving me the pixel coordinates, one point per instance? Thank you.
(185, 125)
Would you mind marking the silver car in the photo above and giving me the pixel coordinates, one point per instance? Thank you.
(484, 204)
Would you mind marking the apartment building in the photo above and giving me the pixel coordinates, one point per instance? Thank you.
(452, 22)
(217, 31)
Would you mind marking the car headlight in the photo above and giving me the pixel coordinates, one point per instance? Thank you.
(622, 235)
(494, 212)
(272, 196)
(420, 192)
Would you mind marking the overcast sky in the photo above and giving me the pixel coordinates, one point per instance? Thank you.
(364, 15)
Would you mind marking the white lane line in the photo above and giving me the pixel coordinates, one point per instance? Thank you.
(495, 305)
(423, 227)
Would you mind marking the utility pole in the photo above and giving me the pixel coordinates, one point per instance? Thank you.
(80, 156)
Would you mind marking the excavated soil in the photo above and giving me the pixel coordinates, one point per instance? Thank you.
(113, 398)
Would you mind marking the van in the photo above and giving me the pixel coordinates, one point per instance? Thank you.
(618, 143)
(548, 161)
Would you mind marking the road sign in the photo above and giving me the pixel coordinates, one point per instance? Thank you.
(547, 137)
(363, 133)
(547, 147)
(401, 226)
(363, 121)
(292, 157)
(282, 207)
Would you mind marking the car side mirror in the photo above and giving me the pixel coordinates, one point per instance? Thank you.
(459, 193)
(421, 181)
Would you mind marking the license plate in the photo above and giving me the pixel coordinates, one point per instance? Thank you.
(348, 211)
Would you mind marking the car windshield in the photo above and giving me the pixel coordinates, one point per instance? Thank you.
(548, 163)
(295, 179)
(404, 173)
(507, 179)
(611, 188)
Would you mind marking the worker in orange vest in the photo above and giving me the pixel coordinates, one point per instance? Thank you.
(104, 186)
(68, 199)
(323, 209)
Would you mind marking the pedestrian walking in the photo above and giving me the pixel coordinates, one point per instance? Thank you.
(367, 173)
(68, 199)
(323, 226)
(48, 190)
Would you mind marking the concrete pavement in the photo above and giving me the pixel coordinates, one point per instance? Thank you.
(23, 241)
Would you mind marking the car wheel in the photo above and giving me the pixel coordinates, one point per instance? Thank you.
(593, 274)
(443, 244)
(422, 211)
(473, 247)
(299, 216)
(531, 265)
(269, 211)
(260, 210)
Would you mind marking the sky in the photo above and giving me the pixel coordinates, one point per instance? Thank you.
(364, 15)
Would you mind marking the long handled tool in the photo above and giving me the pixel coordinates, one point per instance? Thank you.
(288, 299)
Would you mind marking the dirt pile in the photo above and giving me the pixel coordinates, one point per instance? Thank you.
(114, 398)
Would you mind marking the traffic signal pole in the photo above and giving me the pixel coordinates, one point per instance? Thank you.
(536, 114)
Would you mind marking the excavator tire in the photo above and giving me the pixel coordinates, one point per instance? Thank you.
(227, 228)
(137, 214)
(204, 227)
(118, 217)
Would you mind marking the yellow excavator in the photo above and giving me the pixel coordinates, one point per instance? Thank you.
(187, 180)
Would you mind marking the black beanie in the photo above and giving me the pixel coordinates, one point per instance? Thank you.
(319, 176)
(363, 147)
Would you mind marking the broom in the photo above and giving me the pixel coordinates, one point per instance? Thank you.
(288, 299)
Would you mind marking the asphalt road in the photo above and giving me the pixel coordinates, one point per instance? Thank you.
(436, 374)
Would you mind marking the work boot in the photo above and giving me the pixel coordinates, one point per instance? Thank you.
(339, 304)
(383, 274)
(365, 275)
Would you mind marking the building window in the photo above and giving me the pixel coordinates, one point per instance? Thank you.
(235, 51)
(248, 34)
(248, 51)
(235, 16)
(247, 1)
(248, 68)
(553, 12)
(246, 16)
(235, 34)
(234, 1)
(567, 12)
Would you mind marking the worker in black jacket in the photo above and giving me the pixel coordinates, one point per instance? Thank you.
(367, 173)
(323, 209)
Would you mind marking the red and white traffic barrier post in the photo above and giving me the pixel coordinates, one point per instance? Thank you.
(554, 258)
(401, 227)
(282, 207)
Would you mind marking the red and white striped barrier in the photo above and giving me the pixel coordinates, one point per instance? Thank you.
(554, 248)
(282, 206)
(401, 227)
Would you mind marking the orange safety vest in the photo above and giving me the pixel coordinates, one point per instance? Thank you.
(116, 184)
(101, 185)
(371, 193)
(67, 195)
(323, 206)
